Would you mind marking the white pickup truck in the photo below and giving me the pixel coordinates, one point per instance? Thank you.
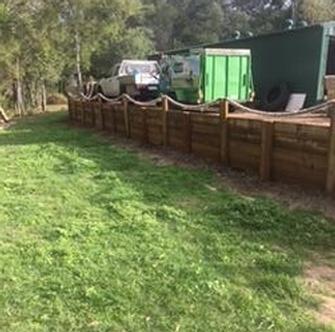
(138, 78)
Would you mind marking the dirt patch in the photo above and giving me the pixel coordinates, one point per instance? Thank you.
(320, 279)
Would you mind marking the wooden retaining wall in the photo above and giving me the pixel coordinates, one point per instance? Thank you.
(276, 149)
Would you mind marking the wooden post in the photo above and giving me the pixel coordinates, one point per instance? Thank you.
(94, 118)
(165, 111)
(145, 138)
(330, 186)
(86, 114)
(187, 132)
(266, 150)
(112, 110)
(88, 111)
(224, 150)
(82, 112)
(101, 115)
(126, 116)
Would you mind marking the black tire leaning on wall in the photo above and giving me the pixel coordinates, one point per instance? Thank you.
(277, 97)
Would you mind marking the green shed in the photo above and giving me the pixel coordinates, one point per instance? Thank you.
(298, 59)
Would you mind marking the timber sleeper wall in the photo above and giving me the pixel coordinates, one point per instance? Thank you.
(277, 150)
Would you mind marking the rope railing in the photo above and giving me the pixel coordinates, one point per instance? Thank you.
(322, 107)
(110, 100)
(206, 106)
(201, 107)
(89, 98)
(153, 102)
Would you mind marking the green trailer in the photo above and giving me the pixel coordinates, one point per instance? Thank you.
(210, 74)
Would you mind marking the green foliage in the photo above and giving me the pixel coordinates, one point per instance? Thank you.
(96, 238)
(56, 99)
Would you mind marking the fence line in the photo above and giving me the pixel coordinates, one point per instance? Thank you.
(207, 106)
(276, 149)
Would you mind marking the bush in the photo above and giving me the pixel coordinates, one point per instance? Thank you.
(56, 99)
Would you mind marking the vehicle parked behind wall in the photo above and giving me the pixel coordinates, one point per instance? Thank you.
(138, 78)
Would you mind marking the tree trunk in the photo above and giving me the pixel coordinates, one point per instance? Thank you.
(78, 59)
(19, 105)
(43, 96)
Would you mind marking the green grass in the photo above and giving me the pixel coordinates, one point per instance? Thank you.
(95, 238)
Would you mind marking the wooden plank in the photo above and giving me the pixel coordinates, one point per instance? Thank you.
(165, 111)
(209, 139)
(187, 132)
(302, 131)
(175, 120)
(224, 135)
(70, 109)
(209, 119)
(266, 151)
(245, 137)
(145, 137)
(78, 111)
(177, 144)
(86, 113)
(308, 146)
(126, 117)
(81, 112)
(206, 151)
(176, 134)
(244, 155)
(213, 129)
(300, 160)
(102, 118)
(155, 137)
(330, 184)
(109, 113)
(115, 118)
(291, 173)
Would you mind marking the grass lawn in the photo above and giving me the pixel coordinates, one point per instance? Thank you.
(95, 238)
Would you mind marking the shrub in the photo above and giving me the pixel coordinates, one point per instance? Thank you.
(56, 99)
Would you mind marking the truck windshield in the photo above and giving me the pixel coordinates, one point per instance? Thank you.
(143, 68)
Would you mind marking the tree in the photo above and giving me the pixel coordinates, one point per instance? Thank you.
(315, 11)
(184, 22)
(94, 26)
(262, 15)
(30, 56)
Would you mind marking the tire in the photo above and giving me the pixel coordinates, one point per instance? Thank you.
(277, 97)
